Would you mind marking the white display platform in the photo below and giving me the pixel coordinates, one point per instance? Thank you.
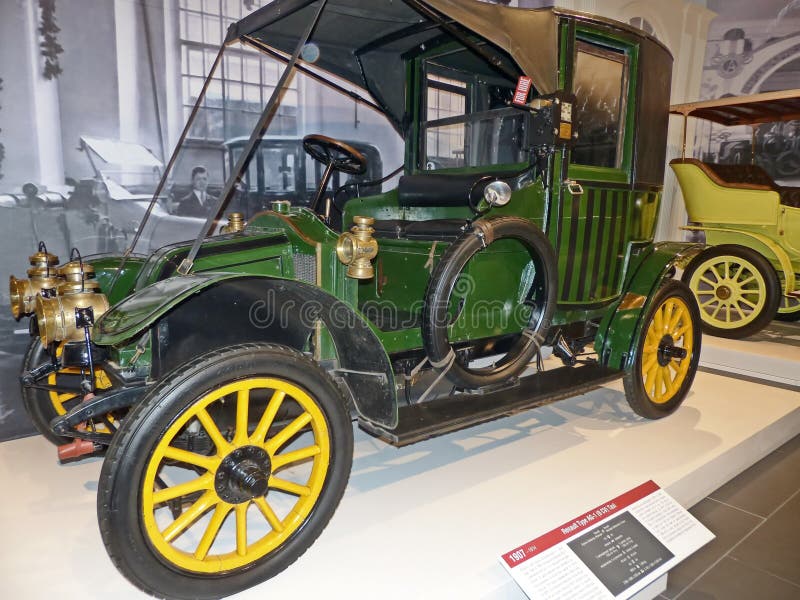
(773, 354)
(428, 520)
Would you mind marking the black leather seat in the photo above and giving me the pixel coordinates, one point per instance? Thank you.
(434, 229)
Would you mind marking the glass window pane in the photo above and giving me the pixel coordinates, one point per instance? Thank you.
(270, 72)
(233, 67)
(252, 94)
(194, 28)
(233, 91)
(232, 8)
(599, 89)
(196, 66)
(192, 4)
(211, 30)
(252, 69)
(211, 6)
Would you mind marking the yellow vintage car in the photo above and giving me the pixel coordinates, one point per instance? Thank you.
(750, 272)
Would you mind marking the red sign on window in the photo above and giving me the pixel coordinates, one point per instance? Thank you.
(523, 87)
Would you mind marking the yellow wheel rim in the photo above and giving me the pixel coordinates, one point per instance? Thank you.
(212, 535)
(730, 291)
(671, 325)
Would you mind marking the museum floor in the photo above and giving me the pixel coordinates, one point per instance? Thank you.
(756, 518)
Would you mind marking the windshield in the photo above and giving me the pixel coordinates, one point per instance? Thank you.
(223, 109)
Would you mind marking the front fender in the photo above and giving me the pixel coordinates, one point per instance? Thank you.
(621, 328)
(206, 311)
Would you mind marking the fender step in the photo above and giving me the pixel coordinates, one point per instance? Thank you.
(451, 413)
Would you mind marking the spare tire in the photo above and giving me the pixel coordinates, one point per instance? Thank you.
(541, 298)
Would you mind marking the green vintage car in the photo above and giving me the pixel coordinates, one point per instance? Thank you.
(221, 376)
(750, 274)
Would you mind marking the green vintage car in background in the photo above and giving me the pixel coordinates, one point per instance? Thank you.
(221, 375)
(750, 274)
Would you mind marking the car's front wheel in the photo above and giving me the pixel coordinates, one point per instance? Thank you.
(667, 353)
(225, 473)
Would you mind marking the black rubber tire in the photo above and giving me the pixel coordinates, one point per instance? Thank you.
(119, 488)
(788, 317)
(36, 401)
(443, 279)
(771, 281)
(635, 392)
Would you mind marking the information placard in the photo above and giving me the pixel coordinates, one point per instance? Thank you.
(612, 551)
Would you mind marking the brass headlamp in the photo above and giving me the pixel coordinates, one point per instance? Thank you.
(78, 304)
(357, 248)
(235, 223)
(43, 279)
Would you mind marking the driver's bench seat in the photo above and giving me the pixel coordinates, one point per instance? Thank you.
(433, 190)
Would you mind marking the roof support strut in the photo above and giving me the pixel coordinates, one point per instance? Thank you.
(247, 151)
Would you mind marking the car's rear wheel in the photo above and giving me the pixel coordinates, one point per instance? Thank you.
(225, 473)
(737, 290)
(667, 353)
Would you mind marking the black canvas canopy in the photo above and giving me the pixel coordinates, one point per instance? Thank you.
(363, 41)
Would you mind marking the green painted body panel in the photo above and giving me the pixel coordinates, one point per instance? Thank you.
(621, 329)
(142, 308)
(106, 268)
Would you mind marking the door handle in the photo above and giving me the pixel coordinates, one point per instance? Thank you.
(573, 187)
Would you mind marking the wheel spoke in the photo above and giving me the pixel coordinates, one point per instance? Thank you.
(189, 516)
(269, 514)
(748, 280)
(242, 404)
(713, 268)
(204, 482)
(223, 446)
(658, 321)
(648, 364)
(209, 463)
(727, 269)
(266, 419)
(659, 385)
(217, 519)
(289, 486)
(744, 300)
(739, 310)
(241, 528)
(677, 315)
(679, 333)
(716, 312)
(708, 281)
(274, 444)
(707, 302)
(281, 460)
(649, 380)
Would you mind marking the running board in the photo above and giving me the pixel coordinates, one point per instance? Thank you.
(451, 413)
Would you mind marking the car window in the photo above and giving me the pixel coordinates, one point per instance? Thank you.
(279, 169)
(467, 121)
(600, 88)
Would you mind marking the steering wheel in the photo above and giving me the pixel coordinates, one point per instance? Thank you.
(335, 154)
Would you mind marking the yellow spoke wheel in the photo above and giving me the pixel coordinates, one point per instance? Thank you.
(788, 309)
(667, 353)
(736, 288)
(226, 472)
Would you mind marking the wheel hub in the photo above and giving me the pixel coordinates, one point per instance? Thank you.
(667, 350)
(724, 292)
(243, 475)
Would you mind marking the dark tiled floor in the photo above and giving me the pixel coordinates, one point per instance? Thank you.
(756, 518)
